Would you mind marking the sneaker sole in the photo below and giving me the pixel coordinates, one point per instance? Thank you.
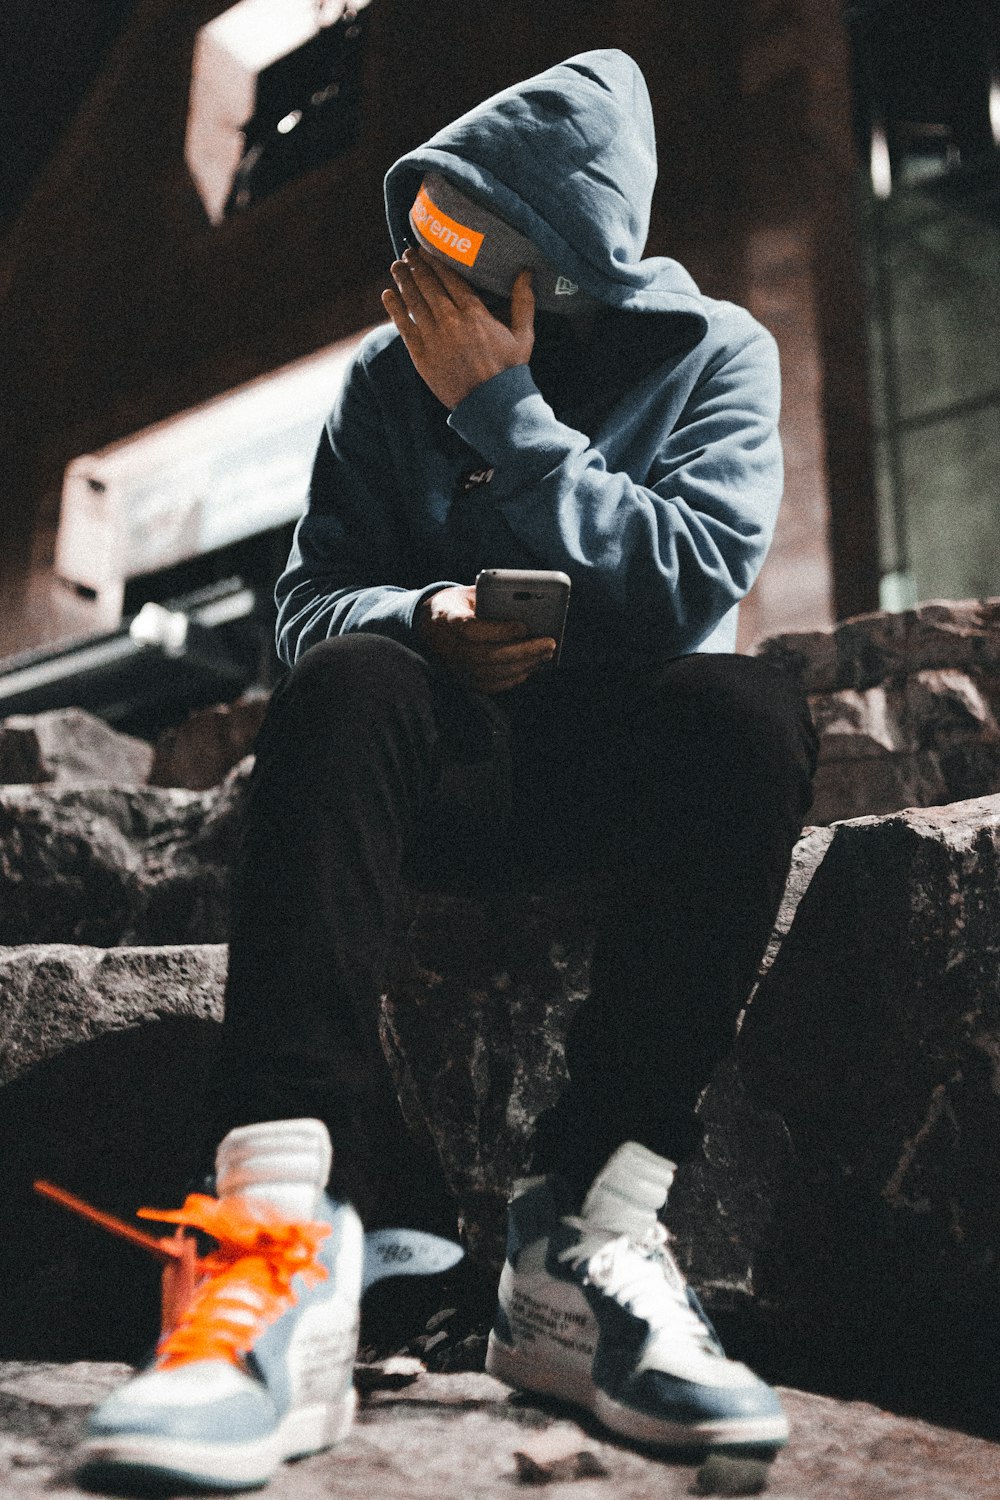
(512, 1367)
(220, 1466)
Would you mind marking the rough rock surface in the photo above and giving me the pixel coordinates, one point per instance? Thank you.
(198, 753)
(58, 997)
(722, 1203)
(103, 1055)
(907, 707)
(918, 741)
(103, 1059)
(806, 858)
(68, 747)
(475, 1035)
(476, 1031)
(875, 1037)
(844, 1214)
(457, 1437)
(864, 651)
(107, 865)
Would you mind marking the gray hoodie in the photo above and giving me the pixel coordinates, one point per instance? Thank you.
(646, 465)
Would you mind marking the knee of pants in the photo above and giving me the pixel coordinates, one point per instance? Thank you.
(356, 673)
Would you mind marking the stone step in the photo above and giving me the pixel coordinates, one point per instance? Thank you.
(869, 649)
(463, 1437)
(117, 865)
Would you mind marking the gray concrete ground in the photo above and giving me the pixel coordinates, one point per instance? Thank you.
(458, 1437)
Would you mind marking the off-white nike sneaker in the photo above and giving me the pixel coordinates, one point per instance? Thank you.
(258, 1367)
(594, 1309)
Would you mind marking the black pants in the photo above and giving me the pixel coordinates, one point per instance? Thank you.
(679, 785)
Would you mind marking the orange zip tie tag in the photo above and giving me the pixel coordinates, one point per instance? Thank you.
(176, 1251)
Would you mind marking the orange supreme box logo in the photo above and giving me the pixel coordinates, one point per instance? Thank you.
(447, 235)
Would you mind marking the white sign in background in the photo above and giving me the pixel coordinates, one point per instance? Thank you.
(211, 476)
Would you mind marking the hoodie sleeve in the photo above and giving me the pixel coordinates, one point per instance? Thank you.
(676, 551)
(347, 545)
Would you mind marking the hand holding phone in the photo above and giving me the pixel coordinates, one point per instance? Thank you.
(490, 656)
(537, 597)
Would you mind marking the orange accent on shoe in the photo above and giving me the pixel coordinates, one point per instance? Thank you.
(177, 1252)
(166, 1249)
(178, 1280)
(245, 1283)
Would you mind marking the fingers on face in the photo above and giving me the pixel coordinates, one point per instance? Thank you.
(411, 291)
(397, 310)
(438, 280)
(458, 289)
(522, 306)
(429, 286)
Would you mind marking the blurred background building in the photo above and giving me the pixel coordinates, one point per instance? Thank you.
(193, 237)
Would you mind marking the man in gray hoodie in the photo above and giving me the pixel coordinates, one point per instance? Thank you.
(543, 397)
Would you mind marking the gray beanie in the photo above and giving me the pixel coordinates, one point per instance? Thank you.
(484, 249)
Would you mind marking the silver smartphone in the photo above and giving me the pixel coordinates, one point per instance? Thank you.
(535, 596)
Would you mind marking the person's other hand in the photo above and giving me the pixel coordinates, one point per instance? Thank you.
(491, 656)
(453, 339)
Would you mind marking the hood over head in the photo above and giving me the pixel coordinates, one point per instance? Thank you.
(568, 160)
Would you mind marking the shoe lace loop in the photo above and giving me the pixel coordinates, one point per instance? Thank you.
(642, 1275)
(245, 1282)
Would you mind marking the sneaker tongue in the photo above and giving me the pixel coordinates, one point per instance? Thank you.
(629, 1191)
(284, 1162)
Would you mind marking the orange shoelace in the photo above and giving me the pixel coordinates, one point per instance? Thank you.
(245, 1284)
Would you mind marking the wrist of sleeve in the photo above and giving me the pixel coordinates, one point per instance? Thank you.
(412, 601)
(389, 611)
(508, 421)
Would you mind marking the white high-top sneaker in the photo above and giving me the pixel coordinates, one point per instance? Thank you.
(259, 1367)
(593, 1309)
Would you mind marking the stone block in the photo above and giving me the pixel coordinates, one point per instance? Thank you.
(907, 707)
(855, 725)
(475, 1036)
(856, 786)
(198, 753)
(875, 1040)
(861, 786)
(913, 741)
(864, 651)
(942, 707)
(68, 747)
(930, 709)
(107, 865)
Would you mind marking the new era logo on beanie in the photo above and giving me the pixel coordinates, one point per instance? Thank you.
(484, 248)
